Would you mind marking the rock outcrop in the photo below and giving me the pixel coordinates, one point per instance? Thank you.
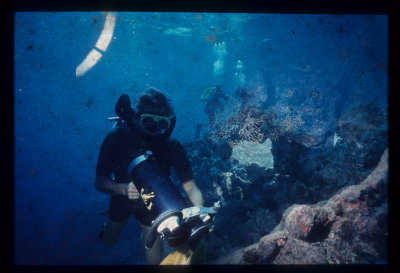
(349, 228)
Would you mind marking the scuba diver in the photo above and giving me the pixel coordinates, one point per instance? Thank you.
(214, 99)
(133, 167)
(245, 95)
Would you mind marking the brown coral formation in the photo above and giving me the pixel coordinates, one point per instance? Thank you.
(349, 228)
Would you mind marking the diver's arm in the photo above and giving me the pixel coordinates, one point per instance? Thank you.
(106, 185)
(193, 193)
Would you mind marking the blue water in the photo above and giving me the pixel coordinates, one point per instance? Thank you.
(60, 119)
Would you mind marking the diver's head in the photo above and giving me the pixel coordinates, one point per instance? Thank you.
(156, 117)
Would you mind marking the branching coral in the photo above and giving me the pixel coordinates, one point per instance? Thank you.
(243, 124)
(286, 121)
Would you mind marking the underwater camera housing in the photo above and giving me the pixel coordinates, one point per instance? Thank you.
(177, 221)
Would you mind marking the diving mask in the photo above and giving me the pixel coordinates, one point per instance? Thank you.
(149, 121)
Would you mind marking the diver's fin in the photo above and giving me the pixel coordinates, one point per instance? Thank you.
(181, 256)
(186, 255)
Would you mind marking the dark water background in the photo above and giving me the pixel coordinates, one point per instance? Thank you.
(60, 119)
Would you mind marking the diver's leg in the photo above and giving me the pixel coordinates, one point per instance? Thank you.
(198, 130)
(112, 230)
(154, 254)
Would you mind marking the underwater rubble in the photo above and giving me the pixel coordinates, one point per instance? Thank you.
(350, 227)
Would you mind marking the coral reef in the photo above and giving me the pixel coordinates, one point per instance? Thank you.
(350, 227)
(254, 196)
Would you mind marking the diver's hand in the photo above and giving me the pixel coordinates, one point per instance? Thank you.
(131, 191)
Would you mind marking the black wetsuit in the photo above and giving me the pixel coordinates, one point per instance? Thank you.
(114, 158)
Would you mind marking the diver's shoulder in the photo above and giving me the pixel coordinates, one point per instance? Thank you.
(119, 131)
